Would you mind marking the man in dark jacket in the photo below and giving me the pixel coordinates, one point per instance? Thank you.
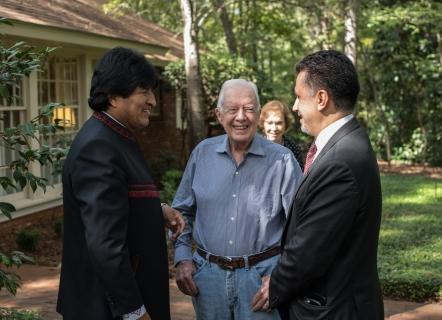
(328, 267)
(114, 262)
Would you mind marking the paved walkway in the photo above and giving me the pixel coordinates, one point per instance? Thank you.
(40, 285)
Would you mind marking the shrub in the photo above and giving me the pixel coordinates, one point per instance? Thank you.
(10, 314)
(27, 239)
(163, 162)
(57, 225)
(170, 181)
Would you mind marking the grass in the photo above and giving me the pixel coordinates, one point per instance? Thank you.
(410, 247)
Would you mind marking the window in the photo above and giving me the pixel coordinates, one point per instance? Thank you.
(12, 113)
(59, 83)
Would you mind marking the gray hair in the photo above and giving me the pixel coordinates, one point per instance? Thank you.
(237, 83)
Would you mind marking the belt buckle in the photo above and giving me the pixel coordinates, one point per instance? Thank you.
(228, 259)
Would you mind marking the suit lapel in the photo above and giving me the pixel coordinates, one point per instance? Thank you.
(342, 132)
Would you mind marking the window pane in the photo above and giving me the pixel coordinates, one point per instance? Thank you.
(9, 118)
(62, 88)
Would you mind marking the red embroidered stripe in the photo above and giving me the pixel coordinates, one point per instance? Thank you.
(144, 194)
(143, 191)
(142, 187)
(114, 126)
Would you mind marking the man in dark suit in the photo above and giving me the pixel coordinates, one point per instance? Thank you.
(114, 262)
(328, 265)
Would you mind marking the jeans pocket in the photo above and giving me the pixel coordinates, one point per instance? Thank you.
(257, 274)
(199, 263)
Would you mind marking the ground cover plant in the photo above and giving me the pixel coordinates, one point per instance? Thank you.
(9, 314)
(410, 247)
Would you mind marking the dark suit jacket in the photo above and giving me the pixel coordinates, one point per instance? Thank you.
(114, 247)
(328, 267)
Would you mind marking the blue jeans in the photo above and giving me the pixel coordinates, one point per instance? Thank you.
(227, 294)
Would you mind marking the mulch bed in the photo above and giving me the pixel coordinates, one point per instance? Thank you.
(433, 172)
(48, 249)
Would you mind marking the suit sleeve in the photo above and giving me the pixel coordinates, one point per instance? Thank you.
(316, 232)
(100, 186)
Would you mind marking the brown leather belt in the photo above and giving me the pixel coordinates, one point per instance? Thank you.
(238, 262)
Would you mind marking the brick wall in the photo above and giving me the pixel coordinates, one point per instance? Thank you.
(162, 135)
(9, 229)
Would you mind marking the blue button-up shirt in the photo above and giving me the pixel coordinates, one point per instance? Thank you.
(235, 210)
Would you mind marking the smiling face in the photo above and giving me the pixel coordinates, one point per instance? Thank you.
(239, 115)
(306, 107)
(274, 126)
(133, 111)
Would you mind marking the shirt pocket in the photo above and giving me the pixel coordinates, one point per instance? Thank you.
(263, 206)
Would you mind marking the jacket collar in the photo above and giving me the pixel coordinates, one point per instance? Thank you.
(114, 125)
(342, 132)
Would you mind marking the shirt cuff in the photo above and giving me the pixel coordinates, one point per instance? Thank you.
(135, 315)
(182, 252)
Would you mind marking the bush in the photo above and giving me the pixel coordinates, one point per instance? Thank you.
(27, 239)
(163, 162)
(170, 182)
(57, 225)
(10, 314)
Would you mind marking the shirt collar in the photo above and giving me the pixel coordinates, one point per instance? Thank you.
(326, 133)
(255, 147)
(114, 124)
(113, 118)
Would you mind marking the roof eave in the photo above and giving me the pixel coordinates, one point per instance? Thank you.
(54, 34)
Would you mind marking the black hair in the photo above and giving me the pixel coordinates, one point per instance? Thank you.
(118, 73)
(334, 72)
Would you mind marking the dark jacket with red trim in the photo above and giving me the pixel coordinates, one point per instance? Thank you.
(114, 247)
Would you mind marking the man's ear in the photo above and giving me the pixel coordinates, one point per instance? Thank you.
(113, 101)
(218, 114)
(322, 99)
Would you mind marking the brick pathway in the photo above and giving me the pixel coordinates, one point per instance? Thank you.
(40, 285)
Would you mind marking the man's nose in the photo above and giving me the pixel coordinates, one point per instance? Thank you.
(241, 113)
(295, 105)
(151, 99)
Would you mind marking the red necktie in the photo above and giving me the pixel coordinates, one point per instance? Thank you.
(310, 156)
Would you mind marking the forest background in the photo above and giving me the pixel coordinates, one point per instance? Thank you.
(396, 46)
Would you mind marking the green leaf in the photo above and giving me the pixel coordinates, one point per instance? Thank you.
(33, 185)
(6, 182)
(5, 21)
(48, 109)
(27, 129)
(6, 208)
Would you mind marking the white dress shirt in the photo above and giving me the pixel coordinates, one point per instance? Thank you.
(326, 133)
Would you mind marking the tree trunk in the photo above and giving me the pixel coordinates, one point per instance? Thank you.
(227, 26)
(351, 11)
(193, 76)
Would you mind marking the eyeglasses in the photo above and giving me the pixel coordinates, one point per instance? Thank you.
(248, 109)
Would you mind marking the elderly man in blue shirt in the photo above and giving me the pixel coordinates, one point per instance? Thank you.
(235, 194)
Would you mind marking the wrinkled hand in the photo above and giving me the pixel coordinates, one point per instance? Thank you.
(184, 278)
(260, 301)
(174, 221)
